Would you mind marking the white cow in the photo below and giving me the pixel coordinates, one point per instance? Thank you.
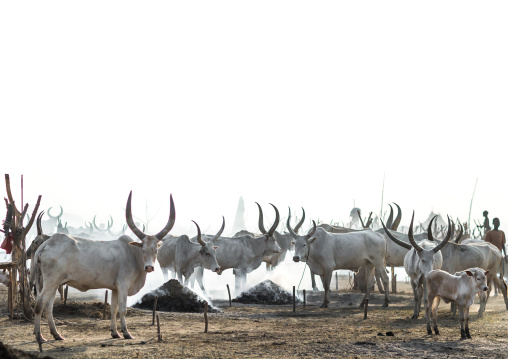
(460, 289)
(181, 255)
(120, 265)
(421, 258)
(325, 252)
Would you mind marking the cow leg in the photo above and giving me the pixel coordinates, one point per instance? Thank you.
(369, 274)
(180, 276)
(483, 303)
(45, 296)
(199, 278)
(434, 305)
(313, 279)
(173, 274)
(429, 315)
(122, 308)
(164, 274)
(466, 319)
(416, 299)
(51, 322)
(114, 312)
(462, 329)
(326, 279)
(381, 273)
(453, 308)
(61, 291)
(502, 287)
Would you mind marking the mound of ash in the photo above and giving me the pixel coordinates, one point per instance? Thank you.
(266, 292)
(174, 297)
(7, 352)
(81, 309)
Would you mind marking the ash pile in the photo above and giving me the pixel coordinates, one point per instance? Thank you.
(266, 292)
(174, 297)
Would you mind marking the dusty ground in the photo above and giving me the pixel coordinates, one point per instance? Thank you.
(269, 331)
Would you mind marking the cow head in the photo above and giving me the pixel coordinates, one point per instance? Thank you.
(302, 243)
(149, 244)
(38, 240)
(271, 244)
(480, 280)
(207, 252)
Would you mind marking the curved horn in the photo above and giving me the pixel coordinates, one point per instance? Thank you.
(60, 215)
(461, 232)
(200, 240)
(219, 233)
(430, 236)
(297, 228)
(311, 233)
(410, 235)
(130, 222)
(260, 222)
(95, 225)
(443, 242)
(276, 222)
(396, 223)
(288, 225)
(39, 223)
(110, 225)
(171, 220)
(361, 220)
(389, 222)
(396, 240)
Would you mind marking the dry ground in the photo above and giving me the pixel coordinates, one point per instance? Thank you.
(269, 331)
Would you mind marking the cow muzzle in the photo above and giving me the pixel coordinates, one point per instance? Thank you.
(296, 258)
(149, 269)
(485, 288)
(217, 270)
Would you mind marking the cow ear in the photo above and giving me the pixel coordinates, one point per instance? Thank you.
(469, 273)
(215, 247)
(312, 240)
(137, 244)
(486, 272)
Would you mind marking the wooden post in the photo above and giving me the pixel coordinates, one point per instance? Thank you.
(10, 291)
(304, 298)
(394, 280)
(38, 337)
(206, 317)
(229, 294)
(65, 294)
(14, 284)
(159, 336)
(154, 309)
(336, 281)
(105, 305)
(366, 306)
(294, 300)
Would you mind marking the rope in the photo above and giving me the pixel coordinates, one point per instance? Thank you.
(302, 276)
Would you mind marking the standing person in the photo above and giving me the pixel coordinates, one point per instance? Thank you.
(497, 238)
(486, 224)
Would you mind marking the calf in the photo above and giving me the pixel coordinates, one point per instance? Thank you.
(460, 288)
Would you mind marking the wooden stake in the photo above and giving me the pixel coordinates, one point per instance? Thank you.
(304, 298)
(206, 317)
(39, 341)
(394, 280)
(154, 309)
(336, 281)
(229, 294)
(366, 306)
(105, 305)
(159, 336)
(294, 300)
(65, 294)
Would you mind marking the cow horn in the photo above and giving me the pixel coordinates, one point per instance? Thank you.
(396, 223)
(260, 222)
(219, 233)
(275, 223)
(430, 236)
(461, 232)
(361, 220)
(443, 242)
(39, 223)
(60, 215)
(410, 236)
(110, 225)
(297, 228)
(396, 240)
(311, 233)
(171, 220)
(95, 225)
(288, 225)
(200, 240)
(130, 222)
(389, 222)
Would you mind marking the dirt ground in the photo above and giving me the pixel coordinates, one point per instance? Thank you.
(259, 331)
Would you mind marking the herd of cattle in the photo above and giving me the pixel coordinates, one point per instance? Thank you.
(438, 268)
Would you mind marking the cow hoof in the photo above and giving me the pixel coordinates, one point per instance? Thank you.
(40, 338)
(325, 304)
(385, 304)
(58, 337)
(115, 335)
(415, 316)
(436, 331)
(429, 332)
(317, 290)
(127, 335)
(463, 338)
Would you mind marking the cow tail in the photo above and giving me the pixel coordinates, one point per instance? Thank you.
(33, 269)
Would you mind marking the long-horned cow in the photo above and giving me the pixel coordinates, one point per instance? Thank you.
(181, 255)
(120, 265)
(460, 289)
(325, 252)
(421, 258)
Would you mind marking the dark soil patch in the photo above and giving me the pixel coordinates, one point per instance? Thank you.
(83, 309)
(10, 353)
(174, 297)
(266, 292)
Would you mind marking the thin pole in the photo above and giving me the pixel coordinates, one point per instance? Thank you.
(206, 317)
(366, 306)
(229, 294)
(159, 336)
(304, 298)
(154, 309)
(65, 294)
(105, 304)
(294, 300)
(471, 205)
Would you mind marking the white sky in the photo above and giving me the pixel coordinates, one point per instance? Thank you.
(297, 103)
